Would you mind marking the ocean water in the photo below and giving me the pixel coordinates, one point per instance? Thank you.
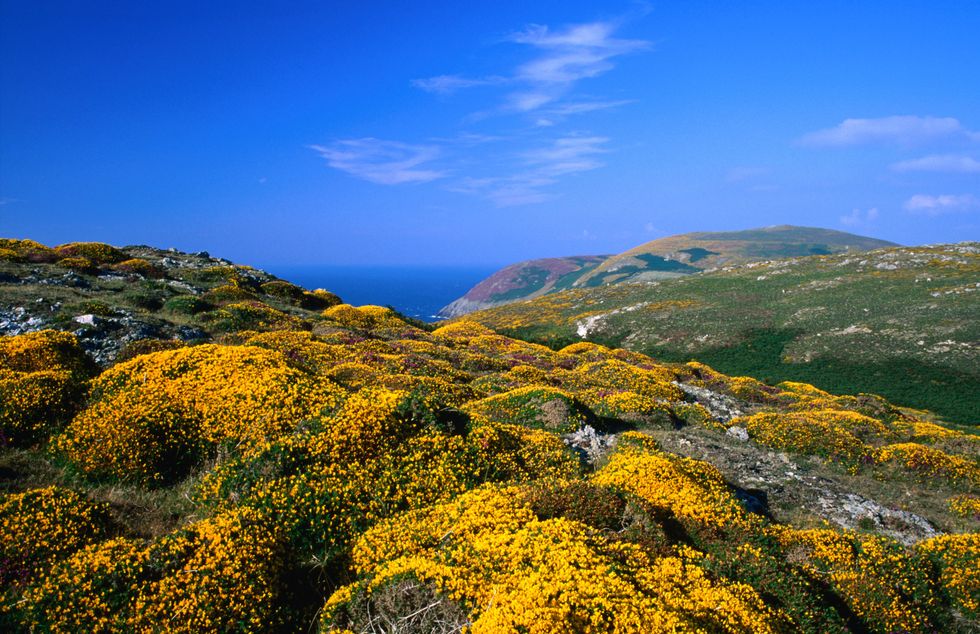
(415, 291)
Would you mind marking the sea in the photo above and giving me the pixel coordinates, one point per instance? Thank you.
(417, 292)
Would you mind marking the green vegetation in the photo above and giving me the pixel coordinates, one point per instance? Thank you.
(898, 322)
(346, 469)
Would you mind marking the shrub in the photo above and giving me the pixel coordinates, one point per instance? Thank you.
(79, 265)
(284, 291)
(534, 406)
(954, 562)
(139, 266)
(153, 417)
(252, 316)
(929, 462)
(187, 304)
(825, 433)
(488, 551)
(98, 253)
(42, 381)
(40, 526)
(26, 251)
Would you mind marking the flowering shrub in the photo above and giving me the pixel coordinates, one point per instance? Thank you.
(833, 434)
(253, 316)
(154, 416)
(25, 251)
(220, 574)
(96, 252)
(954, 558)
(41, 383)
(533, 406)
(79, 265)
(689, 490)
(487, 551)
(965, 506)
(928, 462)
(138, 266)
(40, 526)
(877, 578)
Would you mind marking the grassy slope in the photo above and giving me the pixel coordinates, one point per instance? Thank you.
(707, 250)
(899, 322)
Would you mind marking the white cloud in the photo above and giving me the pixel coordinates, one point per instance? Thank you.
(382, 162)
(942, 204)
(567, 155)
(544, 165)
(940, 163)
(859, 217)
(448, 84)
(588, 106)
(905, 130)
(563, 57)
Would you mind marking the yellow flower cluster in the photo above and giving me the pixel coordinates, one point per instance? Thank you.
(955, 557)
(41, 381)
(97, 253)
(965, 505)
(520, 574)
(533, 406)
(138, 266)
(930, 462)
(878, 578)
(220, 574)
(689, 490)
(152, 416)
(833, 434)
(25, 251)
(39, 526)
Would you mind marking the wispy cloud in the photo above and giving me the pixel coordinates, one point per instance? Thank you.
(544, 165)
(448, 84)
(902, 130)
(940, 163)
(588, 106)
(942, 204)
(562, 57)
(859, 217)
(567, 155)
(382, 162)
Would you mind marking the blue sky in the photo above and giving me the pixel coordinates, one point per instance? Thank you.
(429, 133)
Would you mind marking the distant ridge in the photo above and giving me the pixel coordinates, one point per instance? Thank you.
(664, 258)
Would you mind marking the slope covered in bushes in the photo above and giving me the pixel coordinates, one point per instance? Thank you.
(357, 472)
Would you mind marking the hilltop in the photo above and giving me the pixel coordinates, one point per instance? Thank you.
(899, 321)
(113, 298)
(343, 469)
(664, 258)
(524, 280)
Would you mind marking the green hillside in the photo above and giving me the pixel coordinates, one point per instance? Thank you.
(660, 259)
(900, 322)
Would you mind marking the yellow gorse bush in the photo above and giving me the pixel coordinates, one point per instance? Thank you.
(152, 412)
(42, 378)
(956, 557)
(689, 490)
(517, 573)
(40, 526)
(930, 462)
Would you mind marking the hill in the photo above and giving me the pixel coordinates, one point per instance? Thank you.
(524, 280)
(664, 258)
(291, 469)
(112, 298)
(900, 322)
